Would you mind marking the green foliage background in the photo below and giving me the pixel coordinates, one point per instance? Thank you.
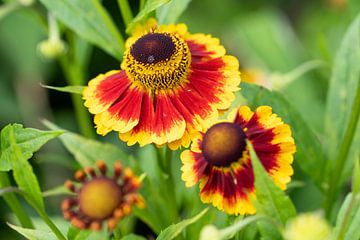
(275, 36)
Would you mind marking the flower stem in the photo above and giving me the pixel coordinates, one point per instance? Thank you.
(14, 204)
(74, 72)
(125, 11)
(342, 156)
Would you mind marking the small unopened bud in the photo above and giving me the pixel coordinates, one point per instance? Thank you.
(210, 232)
(51, 49)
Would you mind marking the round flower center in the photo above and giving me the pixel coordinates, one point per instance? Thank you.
(157, 61)
(223, 144)
(99, 197)
(153, 48)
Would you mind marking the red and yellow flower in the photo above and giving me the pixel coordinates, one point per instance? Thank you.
(99, 198)
(219, 158)
(171, 85)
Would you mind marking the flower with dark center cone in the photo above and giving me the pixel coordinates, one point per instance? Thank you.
(172, 84)
(219, 158)
(101, 198)
(223, 144)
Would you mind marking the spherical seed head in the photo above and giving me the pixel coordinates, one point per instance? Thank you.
(223, 144)
(99, 198)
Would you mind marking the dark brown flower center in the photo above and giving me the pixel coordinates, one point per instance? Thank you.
(153, 48)
(223, 144)
(99, 197)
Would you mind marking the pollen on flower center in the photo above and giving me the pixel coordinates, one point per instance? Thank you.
(99, 198)
(153, 48)
(157, 61)
(223, 144)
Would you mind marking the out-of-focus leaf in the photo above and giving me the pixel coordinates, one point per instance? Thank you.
(174, 230)
(26, 31)
(356, 177)
(342, 91)
(68, 89)
(308, 146)
(270, 199)
(170, 12)
(268, 231)
(150, 6)
(77, 234)
(29, 140)
(133, 237)
(87, 151)
(348, 219)
(353, 231)
(34, 234)
(90, 20)
(60, 190)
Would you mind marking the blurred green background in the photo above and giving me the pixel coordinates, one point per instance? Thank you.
(273, 37)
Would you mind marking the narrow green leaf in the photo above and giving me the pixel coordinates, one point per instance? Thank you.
(29, 140)
(353, 230)
(174, 230)
(344, 83)
(308, 147)
(87, 151)
(24, 175)
(33, 234)
(348, 214)
(356, 177)
(270, 199)
(90, 20)
(133, 237)
(60, 190)
(68, 89)
(170, 12)
(150, 6)
(77, 234)
(14, 204)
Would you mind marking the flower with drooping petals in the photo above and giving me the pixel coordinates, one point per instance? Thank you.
(219, 159)
(171, 85)
(101, 198)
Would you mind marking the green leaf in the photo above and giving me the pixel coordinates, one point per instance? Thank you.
(353, 231)
(174, 230)
(90, 20)
(13, 203)
(29, 140)
(68, 89)
(77, 234)
(348, 217)
(270, 199)
(170, 12)
(87, 151)
(23, 173)
(356, 177)
(344, 82)
(133, 237)
(33, 234)
(268, 231)
(308, 147)
(60, 190)
(150, 6)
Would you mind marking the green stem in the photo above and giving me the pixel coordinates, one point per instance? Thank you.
(74, 76)
(51, 225)
(345, 146)
(142, 4)
(236, 227)
(125, 11)
(165, 162)
(12, 201)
